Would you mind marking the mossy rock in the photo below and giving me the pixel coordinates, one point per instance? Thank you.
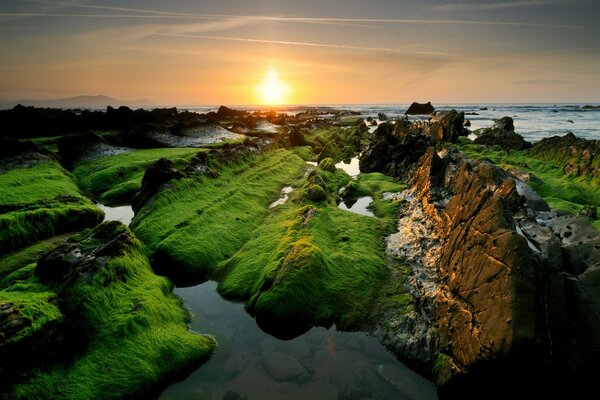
(316, 193)
(327, 164)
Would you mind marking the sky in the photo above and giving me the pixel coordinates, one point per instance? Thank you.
(311, 51)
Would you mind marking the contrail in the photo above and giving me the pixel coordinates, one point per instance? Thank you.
(180, 15)
(305, 44)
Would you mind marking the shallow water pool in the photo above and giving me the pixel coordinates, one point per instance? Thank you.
(320, 364)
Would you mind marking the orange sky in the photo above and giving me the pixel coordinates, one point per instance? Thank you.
(189, 52)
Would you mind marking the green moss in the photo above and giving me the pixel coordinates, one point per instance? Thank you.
(305, 153)
(318, 265)
(20, 258)
(203, 221)
(116, 178)
(327, 164)
(337, 142)
(137, 332)
(39, 202)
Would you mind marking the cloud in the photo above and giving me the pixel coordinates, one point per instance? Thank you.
(154, 14)
(307, 44)
(500, 5)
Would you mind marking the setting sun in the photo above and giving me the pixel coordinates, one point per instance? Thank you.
(272, 90)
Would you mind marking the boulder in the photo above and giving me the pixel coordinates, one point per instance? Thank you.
(502, 134)
(226, 112)
(446, 126)
(393, 148)
(84, 259)
(282, 367)
(420, 109)
(159, 173)
(296, 137)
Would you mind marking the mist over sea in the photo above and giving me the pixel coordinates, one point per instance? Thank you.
(533, 121)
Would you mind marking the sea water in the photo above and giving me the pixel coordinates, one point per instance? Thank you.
(533, 121)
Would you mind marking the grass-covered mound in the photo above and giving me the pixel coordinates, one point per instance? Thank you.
(116, 178)
(311, 262)
(337, 142)
(39, 201)
(115, 328)
(562, 191)
(200, 221)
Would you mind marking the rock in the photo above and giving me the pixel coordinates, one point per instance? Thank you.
(420, 109)
(327, 164)
(502, 134)
(483, 109)
(282, 367)
(502, 286)
(393, 148)
(446, 126)
(531, 199)
(159, 173)
(589, 212)
(84, 259)
(576, 156)
(11, 322)
(296, 137)
(467, 123)
(226, 112)
(73, 148)
(316, 193)
(411, 385)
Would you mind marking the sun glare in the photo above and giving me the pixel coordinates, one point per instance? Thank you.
(272, 90)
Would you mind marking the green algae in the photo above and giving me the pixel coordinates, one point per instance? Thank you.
(20, 258)
(136, 330)
(202, 221)
(311, 262)
(116, 178)
(41, 201)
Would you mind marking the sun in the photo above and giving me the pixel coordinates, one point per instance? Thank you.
(272, 90)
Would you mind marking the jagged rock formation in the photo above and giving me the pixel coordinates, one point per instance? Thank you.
(420, 109)
(504, 286)
(447, 126)
(502, 134)
(393, 148)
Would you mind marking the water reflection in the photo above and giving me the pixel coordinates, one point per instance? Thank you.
(358, 206)
(123, 214)
(349, 166)
(321, 364)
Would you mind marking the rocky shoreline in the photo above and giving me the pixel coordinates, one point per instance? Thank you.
(492, 245)
(503, 283)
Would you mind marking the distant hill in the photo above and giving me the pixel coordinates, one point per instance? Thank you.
(78, 102)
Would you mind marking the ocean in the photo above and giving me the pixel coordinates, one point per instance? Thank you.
(533, 121)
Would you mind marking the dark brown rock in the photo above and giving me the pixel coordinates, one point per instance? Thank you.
(159, 173)
(420, 109)
(393, 148)
(504, 287)
(296, 137)
(446, 126)
(502, 134)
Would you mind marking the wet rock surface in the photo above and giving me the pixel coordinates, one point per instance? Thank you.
(503, 284)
